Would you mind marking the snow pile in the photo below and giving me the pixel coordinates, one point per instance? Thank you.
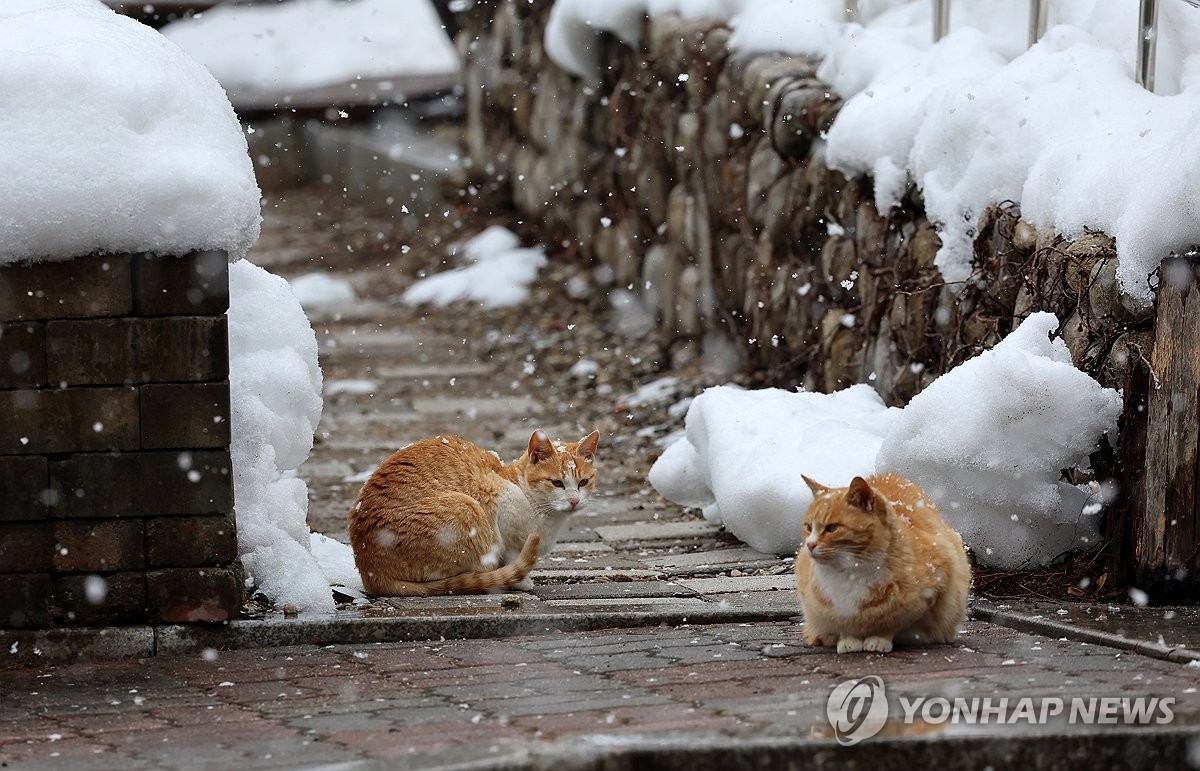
(976, 118)
(744, 452)
(275, 387)
(114, 140)
(498, 276)
(318, 290)
(987, 440)
(336, 561)
(309, 43)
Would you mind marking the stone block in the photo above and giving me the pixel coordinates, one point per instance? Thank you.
(190, 595)
(181, 542)
(22, 355)
(126, 351)
(26, 547)
(95, 600)
(93, 286)
(47, 421)
(102, 546)
(184, 415)
(142, 483)
(24, 481)
(90, 351)
(182, 349)
(25, 601)
(197, 283)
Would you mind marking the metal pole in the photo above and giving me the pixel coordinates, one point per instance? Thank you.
(1147, 43)
(941, 19)
(1037, 20)
(851, 11)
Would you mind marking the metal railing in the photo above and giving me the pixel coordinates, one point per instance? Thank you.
(1147, 51)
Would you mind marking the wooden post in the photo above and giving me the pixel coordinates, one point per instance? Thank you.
(1168, 540)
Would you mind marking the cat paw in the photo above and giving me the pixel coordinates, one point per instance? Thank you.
(877, 644)
(849, 645)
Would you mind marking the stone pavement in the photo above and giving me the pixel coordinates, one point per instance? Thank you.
(707, 696)
(650, 639)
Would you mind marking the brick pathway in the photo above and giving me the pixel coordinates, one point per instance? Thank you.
(307, 705)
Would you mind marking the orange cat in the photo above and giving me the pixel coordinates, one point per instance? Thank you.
(879, 564)
(441, 516)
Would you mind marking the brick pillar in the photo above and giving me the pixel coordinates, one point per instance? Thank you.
(116, 491)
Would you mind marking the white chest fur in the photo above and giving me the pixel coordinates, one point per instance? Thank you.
(847, 586)
(516, 518)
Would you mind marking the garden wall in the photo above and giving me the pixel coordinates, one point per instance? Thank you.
(696, 174)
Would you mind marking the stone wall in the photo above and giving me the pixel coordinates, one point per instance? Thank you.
(698, 177)
(116, 493)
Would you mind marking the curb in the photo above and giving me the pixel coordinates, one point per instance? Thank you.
(50, 646)
(1022, 622)
(1110, 748)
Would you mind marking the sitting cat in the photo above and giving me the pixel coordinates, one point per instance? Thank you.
(441, 516)
(879, 564)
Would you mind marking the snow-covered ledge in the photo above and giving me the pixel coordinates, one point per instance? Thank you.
(126, 190)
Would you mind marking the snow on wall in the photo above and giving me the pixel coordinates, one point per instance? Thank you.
(744, 452)
(275, 400)
(113, 140)
(976, 118)
(308, 43)
(987, 440)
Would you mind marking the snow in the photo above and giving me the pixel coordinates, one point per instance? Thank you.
(336, 561)
(275, 398)
(497, 275)
(976, 118)
(351, 386)
(310, 43)
(114, 140)
(987, 440)
(744, 452)
(319, 290)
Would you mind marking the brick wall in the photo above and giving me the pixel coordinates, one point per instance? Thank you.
(116, 492)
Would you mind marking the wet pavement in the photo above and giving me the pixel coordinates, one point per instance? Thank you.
(651, 638)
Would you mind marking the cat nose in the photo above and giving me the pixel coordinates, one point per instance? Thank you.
(573, 499)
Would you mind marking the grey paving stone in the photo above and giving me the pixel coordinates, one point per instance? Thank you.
(715, 558)
(514, 406)
(580, 547)
(624, 589)
(645, 532)
(730, 585)
(596, 574)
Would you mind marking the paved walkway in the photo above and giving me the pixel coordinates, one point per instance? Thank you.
(651, 638)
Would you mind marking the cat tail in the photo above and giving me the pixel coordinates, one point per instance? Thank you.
(475, 582)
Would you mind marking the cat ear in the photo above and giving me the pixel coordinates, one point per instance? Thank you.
(587, 445)
(816, 487)
(540, 448)
(860, 495)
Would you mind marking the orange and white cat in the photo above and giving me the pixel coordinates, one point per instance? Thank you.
(444, 516)
(879, 565)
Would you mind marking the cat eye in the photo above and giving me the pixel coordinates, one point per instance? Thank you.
(831, 527)
(585, 482)
(807, 527)
(557, 482)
